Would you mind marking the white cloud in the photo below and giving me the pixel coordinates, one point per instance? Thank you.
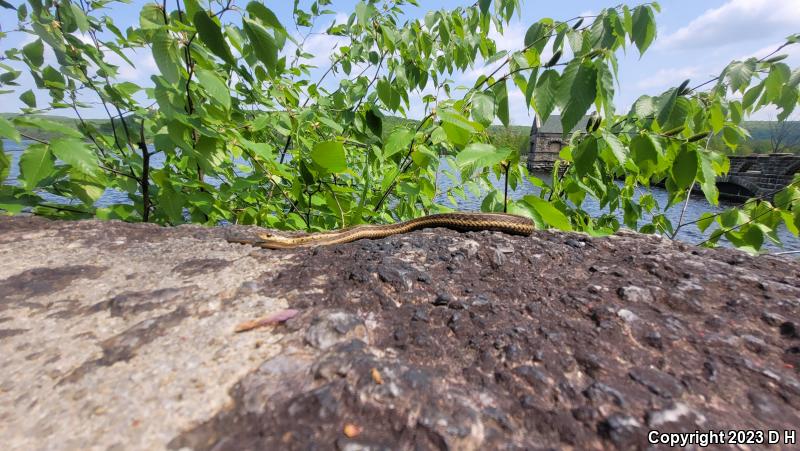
(318, 44)
(144, 68)
(792, 52)
(518, 111)
(668, 77)
(736, 21)
(512, 38)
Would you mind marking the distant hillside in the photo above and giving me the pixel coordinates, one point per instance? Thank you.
(102, 124)
(517, 136)
(762, 130)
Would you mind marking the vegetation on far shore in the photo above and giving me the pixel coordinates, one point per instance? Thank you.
(765, 136)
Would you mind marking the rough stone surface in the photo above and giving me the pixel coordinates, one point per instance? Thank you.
(121, 336)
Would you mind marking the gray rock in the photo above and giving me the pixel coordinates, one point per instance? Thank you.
(632, 293)
(330, 328)
(120, 335)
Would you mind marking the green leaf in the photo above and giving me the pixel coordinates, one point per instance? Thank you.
(731, 137)
(483, 108)
(8, 131)
(36, 164)
(46, 125)
(363, 12)
(53, 78)
(192, 7)
(684, 168)
(787, 198)
(398, 141)
(265, 15)
(535, 36)
(501, 101)
(549, 214)
(644, 28)
(80, 18)
(389, 96)
(585, 155)
(644, 107)
(171, 202)
(215, 87)
(456, 119)
(705, 220)
(665, 105)
(211, 35)
(165, 52)
(544, 96)
(456, 135)
(329, 155)
(263, 44)
(5, 163)
(739, 73)
(87, 188)
(778, 75)
(708, 179)
(787, 102)
(484, 5)
(374, 122)
(716, 117)
(792, 222)
(34, 52)
(151, 17)
(75, 153)
(14, 199)
(6, 5)
(579, 94)
(616, 147)
(493, 202)
(28, 98)
(751, 95)
(479, 155)
(644, 154)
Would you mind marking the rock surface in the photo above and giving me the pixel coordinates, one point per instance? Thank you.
(121, 336)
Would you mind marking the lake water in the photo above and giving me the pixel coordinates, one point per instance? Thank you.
(691, 234)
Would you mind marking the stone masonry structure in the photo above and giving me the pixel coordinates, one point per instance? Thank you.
(546, 142)
(758, 175)
(749, 176)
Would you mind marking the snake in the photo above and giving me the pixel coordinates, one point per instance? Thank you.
(461, 221)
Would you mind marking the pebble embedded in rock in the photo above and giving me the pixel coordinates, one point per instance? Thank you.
(632, 293)
(443, 299)
(575, 243)
(627, 315)
(788, 329)
(622, 430)
(330, 328)
(421, 314)
(479, 301)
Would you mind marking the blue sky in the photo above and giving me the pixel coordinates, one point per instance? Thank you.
(696, 39)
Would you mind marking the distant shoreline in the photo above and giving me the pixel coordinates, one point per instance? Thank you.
(514, 136)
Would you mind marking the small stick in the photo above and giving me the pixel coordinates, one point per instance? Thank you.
(275, 318)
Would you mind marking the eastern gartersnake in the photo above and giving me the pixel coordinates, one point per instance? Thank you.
(512, 224)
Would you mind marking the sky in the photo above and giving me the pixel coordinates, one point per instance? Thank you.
(696, 40)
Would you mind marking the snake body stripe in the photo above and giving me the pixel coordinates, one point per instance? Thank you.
(512, 224)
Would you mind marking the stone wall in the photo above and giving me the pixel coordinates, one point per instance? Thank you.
(758, 175)
(749, 176)
(544, 151)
